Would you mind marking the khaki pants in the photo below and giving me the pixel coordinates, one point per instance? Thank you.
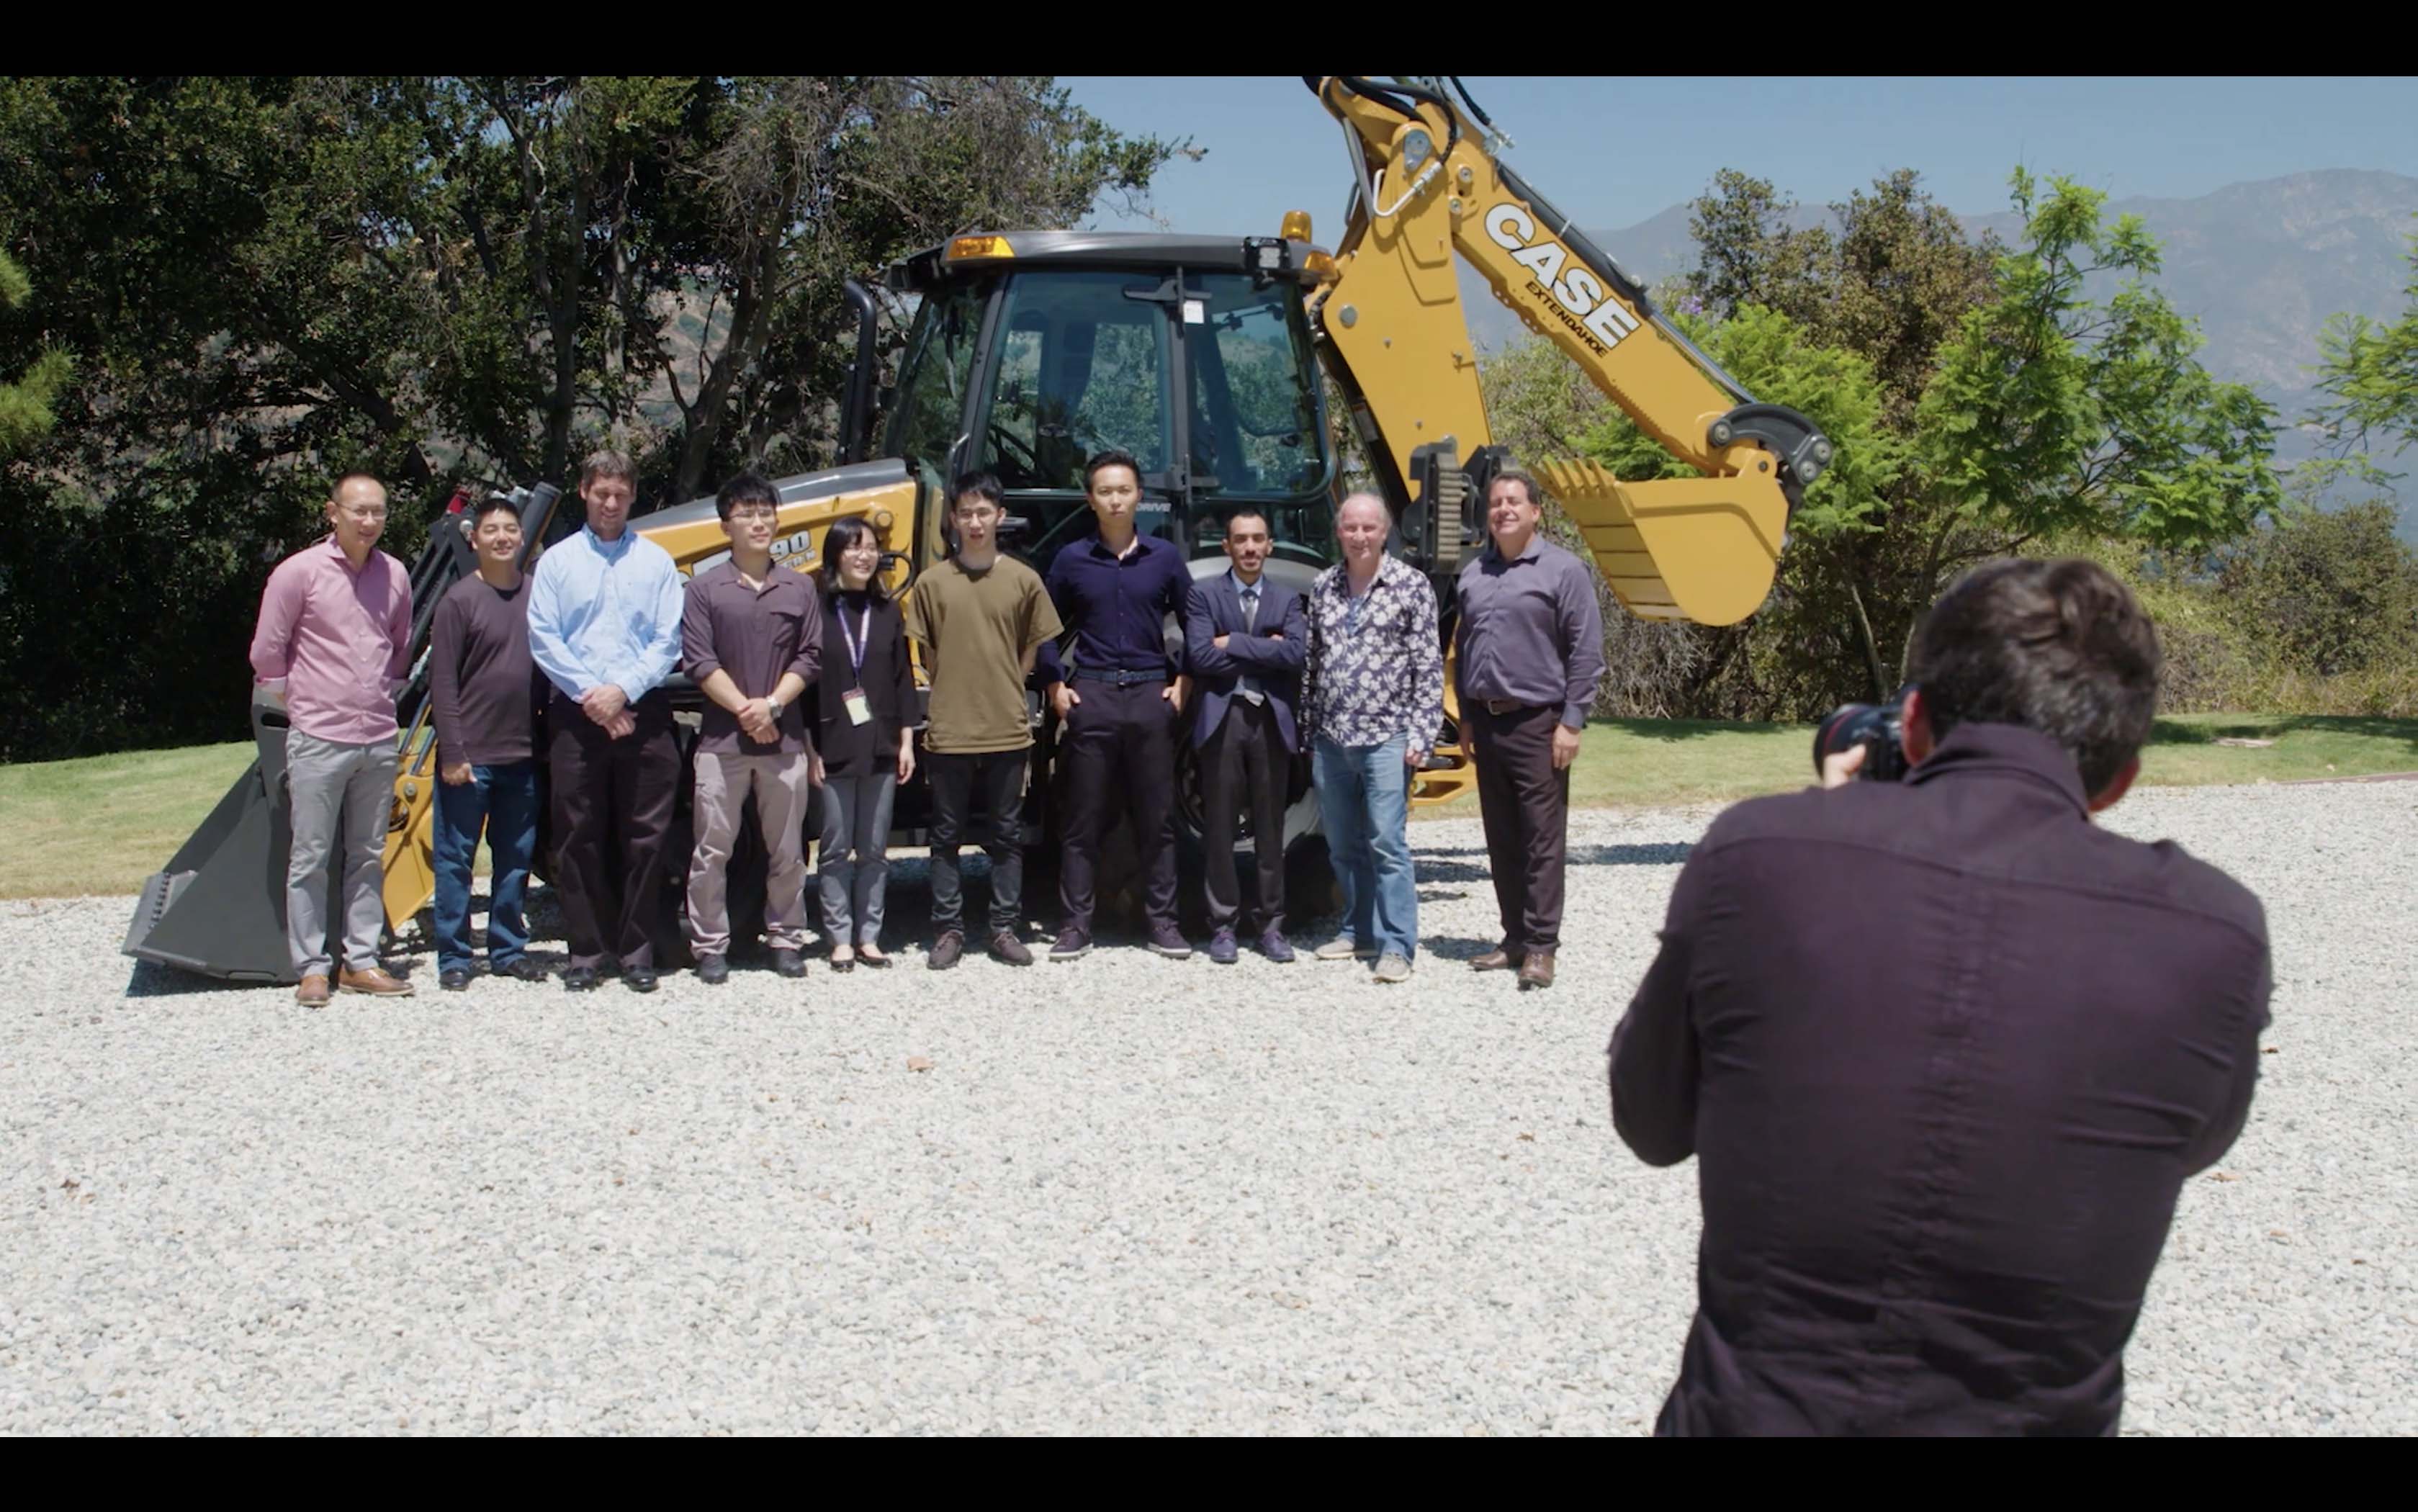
(341, 797)
(780, 784)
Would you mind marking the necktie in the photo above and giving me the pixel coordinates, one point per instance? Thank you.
(1246, 685)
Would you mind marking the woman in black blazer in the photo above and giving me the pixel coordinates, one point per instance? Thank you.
(865, 739)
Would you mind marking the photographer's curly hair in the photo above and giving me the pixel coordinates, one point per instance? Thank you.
(2059, 646)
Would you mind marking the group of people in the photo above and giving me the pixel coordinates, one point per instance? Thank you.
(1947, 1049)
(807, 684)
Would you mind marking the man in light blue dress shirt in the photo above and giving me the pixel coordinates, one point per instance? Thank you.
(604, 628)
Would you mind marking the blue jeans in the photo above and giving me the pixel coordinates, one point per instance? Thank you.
(1364, 799)
(504, 800)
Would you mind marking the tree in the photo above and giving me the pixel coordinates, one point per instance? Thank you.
(1979, 399)
(263, 282)
(2371, 375)
(26, 405)
(2326, 592)
(2053, 411)
(811, 181)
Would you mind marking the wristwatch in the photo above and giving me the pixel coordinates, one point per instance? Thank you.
(773, 704)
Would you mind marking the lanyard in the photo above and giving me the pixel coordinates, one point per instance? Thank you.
(856, 643)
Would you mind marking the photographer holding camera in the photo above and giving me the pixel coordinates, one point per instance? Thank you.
(1946, 1051)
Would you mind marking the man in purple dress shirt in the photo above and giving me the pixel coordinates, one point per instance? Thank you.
(334, 640)
(1944, 1050)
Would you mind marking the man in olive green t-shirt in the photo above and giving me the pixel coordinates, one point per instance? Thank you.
(981, 618)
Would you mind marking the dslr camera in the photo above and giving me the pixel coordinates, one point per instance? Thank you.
(1877, 727)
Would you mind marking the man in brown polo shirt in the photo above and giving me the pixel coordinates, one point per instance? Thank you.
(752, 637)
(1531, 651)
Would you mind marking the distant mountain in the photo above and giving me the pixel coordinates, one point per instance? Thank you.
(2261, 266)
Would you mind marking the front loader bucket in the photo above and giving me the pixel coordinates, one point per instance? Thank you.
(219, 908)
(1703, 549)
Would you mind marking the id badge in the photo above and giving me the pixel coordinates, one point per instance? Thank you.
(859, 711)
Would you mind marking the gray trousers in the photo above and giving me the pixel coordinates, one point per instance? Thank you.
(856, 817)
(780, 784)
(340, 793)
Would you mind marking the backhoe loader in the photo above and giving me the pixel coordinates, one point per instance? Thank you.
(1202, 356)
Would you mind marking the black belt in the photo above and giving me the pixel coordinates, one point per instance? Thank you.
(1117, 678)
(1500, 707)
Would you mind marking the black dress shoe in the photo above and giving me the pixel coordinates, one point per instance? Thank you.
(523, 969)
(580, 979)
(454, 979)
(788, 963)
(713, 970)
(641, 978)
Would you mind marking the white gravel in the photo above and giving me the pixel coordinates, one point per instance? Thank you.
(1126, 1196)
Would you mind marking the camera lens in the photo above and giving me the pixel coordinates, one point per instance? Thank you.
(1849, 724)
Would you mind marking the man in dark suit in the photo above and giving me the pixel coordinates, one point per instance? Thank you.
(1244, 640)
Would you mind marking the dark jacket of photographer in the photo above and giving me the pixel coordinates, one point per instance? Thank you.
(1946, 1053)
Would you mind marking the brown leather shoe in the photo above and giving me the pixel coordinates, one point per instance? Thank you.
(375, 981)
(1497, 959)
(313, 993)
(1538, 969)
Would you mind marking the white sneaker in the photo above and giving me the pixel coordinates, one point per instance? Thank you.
(1393, 968)
(1341, 948)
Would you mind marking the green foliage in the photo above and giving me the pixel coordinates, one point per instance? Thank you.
(2331, 591)
(262, 281)
(2313, 613)
(26, 405)
(2051, 411)
(1979, 398)
(2371, 374)
(1773, 359)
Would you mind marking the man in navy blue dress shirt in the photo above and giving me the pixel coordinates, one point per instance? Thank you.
(1119, 704)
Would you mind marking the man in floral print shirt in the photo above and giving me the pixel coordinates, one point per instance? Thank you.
(1372, 698)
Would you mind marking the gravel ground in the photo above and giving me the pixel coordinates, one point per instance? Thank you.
(1121, 1196)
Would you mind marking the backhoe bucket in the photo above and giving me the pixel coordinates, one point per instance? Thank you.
(219, 908)
(1701, 549)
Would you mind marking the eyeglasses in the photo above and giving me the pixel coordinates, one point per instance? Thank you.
(754, 511)
(363, 516)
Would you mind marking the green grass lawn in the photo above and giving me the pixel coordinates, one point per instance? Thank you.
(1643, 763)
(101, 825)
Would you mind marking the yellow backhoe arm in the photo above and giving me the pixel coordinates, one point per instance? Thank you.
(1396, 339)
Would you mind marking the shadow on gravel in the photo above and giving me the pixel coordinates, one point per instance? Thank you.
(1671, 854)
(907, 922)
(1456, 947)
(151, 980)
(1448, 871)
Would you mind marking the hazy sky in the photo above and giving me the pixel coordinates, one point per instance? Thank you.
(1612, 152)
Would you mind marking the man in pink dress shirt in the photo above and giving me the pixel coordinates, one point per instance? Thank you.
(335, 640)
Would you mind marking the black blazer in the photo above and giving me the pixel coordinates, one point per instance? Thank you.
(889, 681)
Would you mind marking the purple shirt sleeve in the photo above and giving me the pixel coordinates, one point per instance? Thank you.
(696, 633)
(280, 610)
(445, 681)
(398, 618)
(2217, 1136)
(1653, 1053)
(1581, 618)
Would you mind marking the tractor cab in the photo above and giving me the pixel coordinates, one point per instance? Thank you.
(1032, 350)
